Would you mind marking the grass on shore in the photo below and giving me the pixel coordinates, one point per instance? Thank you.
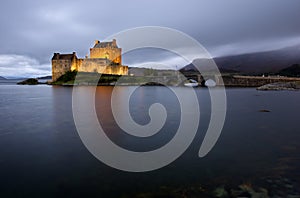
(82, 77)
(103, 79)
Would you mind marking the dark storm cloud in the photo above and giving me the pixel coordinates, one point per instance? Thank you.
(36, 29)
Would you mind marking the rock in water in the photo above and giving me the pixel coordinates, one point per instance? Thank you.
(264, 110)
(210, 83)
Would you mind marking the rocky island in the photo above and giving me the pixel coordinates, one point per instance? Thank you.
(30, 81)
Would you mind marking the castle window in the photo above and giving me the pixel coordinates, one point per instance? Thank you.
(106, 55)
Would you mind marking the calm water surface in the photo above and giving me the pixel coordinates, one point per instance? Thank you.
(41, 154)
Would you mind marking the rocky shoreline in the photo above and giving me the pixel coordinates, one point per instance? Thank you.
(268, 187)
(292, 86)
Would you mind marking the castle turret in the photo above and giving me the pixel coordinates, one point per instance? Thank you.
(55, 56)
(114, 43)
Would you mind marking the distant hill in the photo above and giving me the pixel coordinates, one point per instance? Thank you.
(292, 71)
(2, 78)
(206, 66)
(253, 63)
(261, 62)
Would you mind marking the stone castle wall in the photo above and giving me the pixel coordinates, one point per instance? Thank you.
(113, 54)
(76, 64)
(60, 67)
(101, 66)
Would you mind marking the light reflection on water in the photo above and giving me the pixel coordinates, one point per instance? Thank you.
(42, 154)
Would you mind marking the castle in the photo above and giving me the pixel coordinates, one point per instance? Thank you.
(105, 58)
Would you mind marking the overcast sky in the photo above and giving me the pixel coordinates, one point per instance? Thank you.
(32, 30)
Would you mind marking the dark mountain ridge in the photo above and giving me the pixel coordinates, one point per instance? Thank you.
(252, 63)
(292, 71)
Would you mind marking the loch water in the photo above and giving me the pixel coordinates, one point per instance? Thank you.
(42, 155)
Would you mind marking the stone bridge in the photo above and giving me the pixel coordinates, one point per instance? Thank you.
(239, 80)
(251, 81)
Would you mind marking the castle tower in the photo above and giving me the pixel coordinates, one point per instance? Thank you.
(107, 50)
(61, 63)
